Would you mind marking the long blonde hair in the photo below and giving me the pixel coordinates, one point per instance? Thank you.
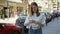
(31, 11)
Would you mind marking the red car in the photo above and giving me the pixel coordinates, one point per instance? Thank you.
(7, 28)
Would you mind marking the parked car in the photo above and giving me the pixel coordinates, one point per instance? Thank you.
(20, 22)
(7, 28)
(55, 15)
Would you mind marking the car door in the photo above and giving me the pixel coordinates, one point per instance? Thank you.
(1, 31)
(5, 29)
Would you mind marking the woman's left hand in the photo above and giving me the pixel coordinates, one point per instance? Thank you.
(33, 21)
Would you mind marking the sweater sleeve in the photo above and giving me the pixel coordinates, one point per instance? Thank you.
(43, 19)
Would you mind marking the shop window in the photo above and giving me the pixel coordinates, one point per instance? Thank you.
(11, 12)
(21, 12)
(4, 13)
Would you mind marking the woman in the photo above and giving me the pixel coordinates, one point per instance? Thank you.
(35, 20)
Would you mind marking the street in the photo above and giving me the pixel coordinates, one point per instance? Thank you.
(53, 27)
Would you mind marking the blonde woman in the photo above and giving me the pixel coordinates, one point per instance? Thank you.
(35, 20)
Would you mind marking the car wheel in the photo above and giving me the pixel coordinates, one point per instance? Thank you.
(16, 32)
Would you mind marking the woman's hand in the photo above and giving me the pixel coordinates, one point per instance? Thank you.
(31, 21)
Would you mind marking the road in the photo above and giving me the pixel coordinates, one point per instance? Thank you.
(53, 27)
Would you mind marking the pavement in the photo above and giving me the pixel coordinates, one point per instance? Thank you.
(53, 27)
(11, 20)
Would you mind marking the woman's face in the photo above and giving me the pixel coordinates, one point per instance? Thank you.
(34, 8)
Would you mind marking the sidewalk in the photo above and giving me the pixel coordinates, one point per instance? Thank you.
(9, 20)
(53, 27)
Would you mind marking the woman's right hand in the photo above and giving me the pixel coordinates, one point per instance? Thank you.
(30, 21)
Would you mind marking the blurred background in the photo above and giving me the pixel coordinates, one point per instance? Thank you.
(12, 9)
(15, 12)
(15, 6)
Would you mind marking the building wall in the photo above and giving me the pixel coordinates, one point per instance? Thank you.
(3, 2)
